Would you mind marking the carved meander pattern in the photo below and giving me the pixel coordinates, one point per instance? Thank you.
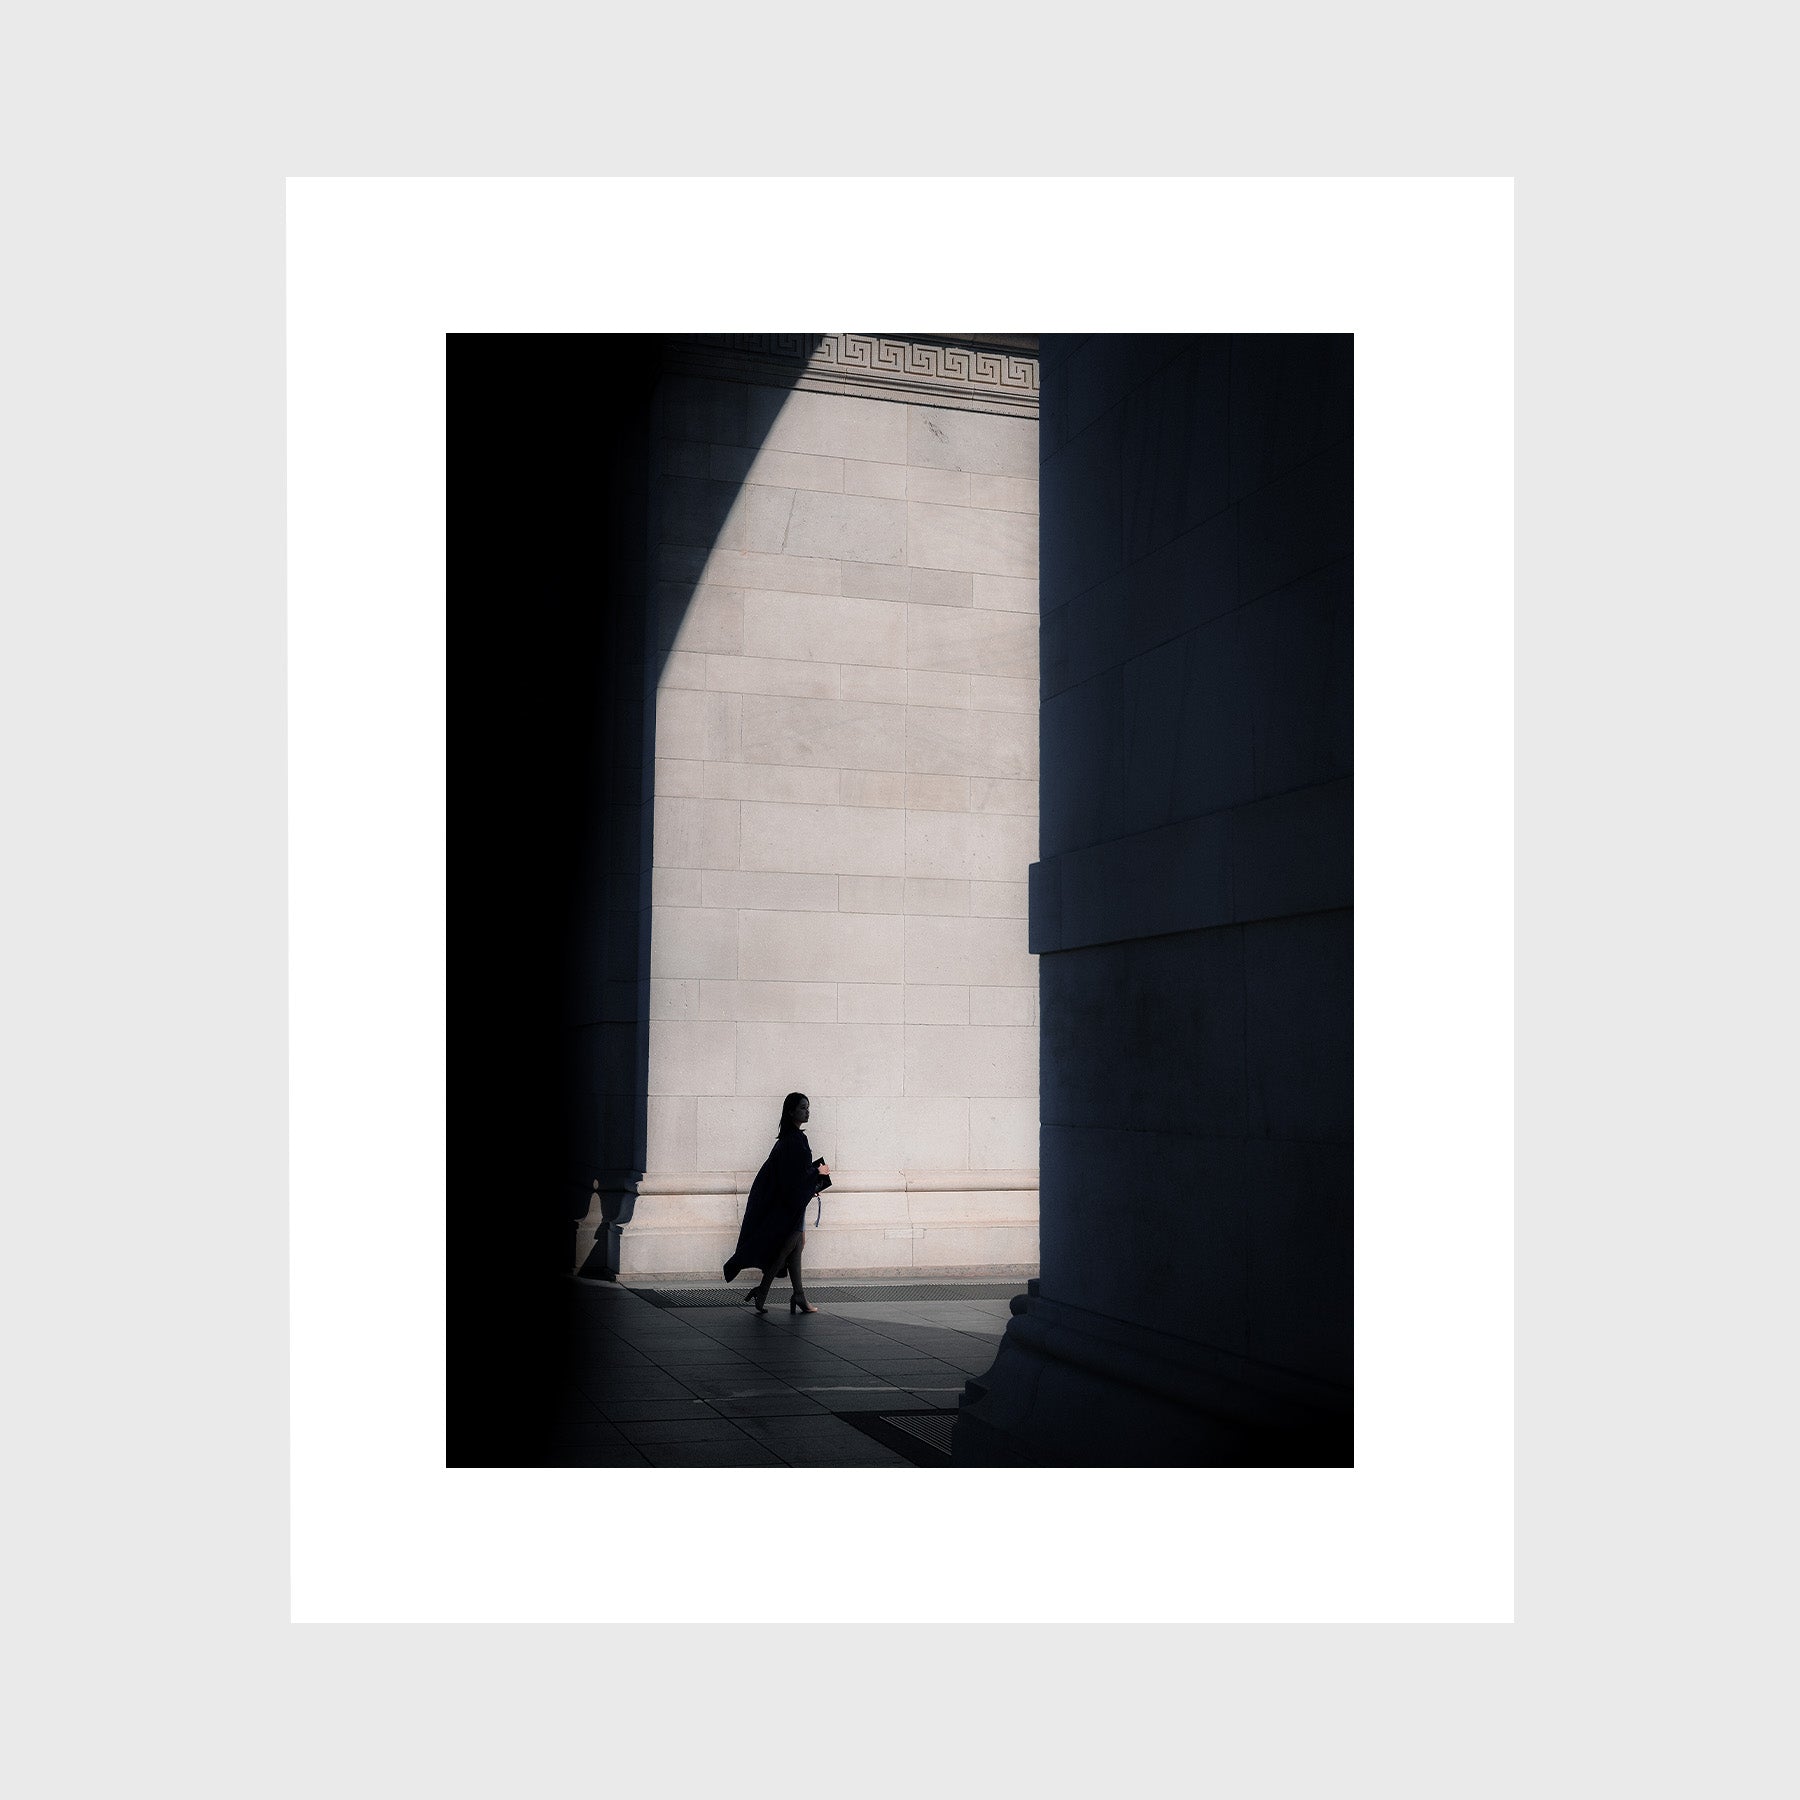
(913, 364)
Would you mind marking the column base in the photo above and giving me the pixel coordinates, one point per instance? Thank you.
(600, 1232)
(1075, 1389)
(918, 1225)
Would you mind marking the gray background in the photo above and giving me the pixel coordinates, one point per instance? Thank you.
(144, 1032)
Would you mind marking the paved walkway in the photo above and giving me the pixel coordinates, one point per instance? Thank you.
(711, 1386)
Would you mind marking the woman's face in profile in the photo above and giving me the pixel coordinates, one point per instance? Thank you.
(804, 1113)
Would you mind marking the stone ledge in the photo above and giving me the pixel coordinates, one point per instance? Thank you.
(661, 1252)
(900, 1277)
(1267, 859)
(876, 1181)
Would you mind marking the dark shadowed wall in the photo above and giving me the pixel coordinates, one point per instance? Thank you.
(548, 850)
(1191, 912)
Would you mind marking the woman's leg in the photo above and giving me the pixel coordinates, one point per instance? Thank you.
(778, 1264)
(793, 1268)
(768, 1276)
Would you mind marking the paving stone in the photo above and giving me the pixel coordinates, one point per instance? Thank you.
(598, 1456)
(689, 1407)
(681, 1431)
(743, 1454)
(799, 1453)
(768, 1406)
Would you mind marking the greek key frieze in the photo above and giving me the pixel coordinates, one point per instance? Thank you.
(910, 368)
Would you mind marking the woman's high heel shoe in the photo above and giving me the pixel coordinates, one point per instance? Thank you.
(753, 1298)
(800, 1306)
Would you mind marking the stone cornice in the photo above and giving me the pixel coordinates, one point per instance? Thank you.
(963, 373)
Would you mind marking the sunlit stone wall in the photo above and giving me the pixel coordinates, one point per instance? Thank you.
(846, 806)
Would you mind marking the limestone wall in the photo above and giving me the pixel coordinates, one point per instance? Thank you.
(845, 809)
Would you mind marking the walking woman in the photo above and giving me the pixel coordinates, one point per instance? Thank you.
(774, 1229)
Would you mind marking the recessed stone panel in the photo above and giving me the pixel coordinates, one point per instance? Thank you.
(988, 952)
(971, 640)
(1006, 593)
(942, 741)
(969, 846)
(701, 515)
(684, 669)
(937, 793)
(904, 1134)
(970, 1246)
(777, 468)
(838, 734)
(773, 574)
(871, 894)
(965, 537)
(1000, 794)
(946, 898)
(669, 1126)
(981, 443)
(740, 781)
(699, 727)
(696, 620)
(857, 682)
(936, 1005)
(932, 687)
(1004, 493)
(877, 581)
(693, 1056)
(1003, 1006)
(674, 999)
(1003, 1134)
(885, 480)
(774, 946)
(820, 628)
(871, 787)
(822, 840)
(946, 487)
(871, 1003)
(766, 675)
(708, 412)
(827, 425)
(693, 942)
(1003, 693)
(675, 887)
(852, 527)
(760, 891)
(999, 899)
(940, 587)
(841, 1061)
(971, 1061)
(695, 834)
(768, 1002)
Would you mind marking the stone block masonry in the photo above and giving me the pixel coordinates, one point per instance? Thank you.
(845, 802)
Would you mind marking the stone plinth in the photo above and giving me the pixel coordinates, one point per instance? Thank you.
(872, 1224)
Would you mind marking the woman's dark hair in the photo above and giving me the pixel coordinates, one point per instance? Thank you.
(794, 1111)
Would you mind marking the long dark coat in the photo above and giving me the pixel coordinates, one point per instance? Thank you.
(776, 1207)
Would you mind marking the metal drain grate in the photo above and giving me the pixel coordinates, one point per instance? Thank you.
(922, 1436)
(925, 1290)
(930, 1428)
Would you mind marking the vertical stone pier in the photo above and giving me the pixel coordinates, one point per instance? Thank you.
(1191, 914)
(843, 698)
